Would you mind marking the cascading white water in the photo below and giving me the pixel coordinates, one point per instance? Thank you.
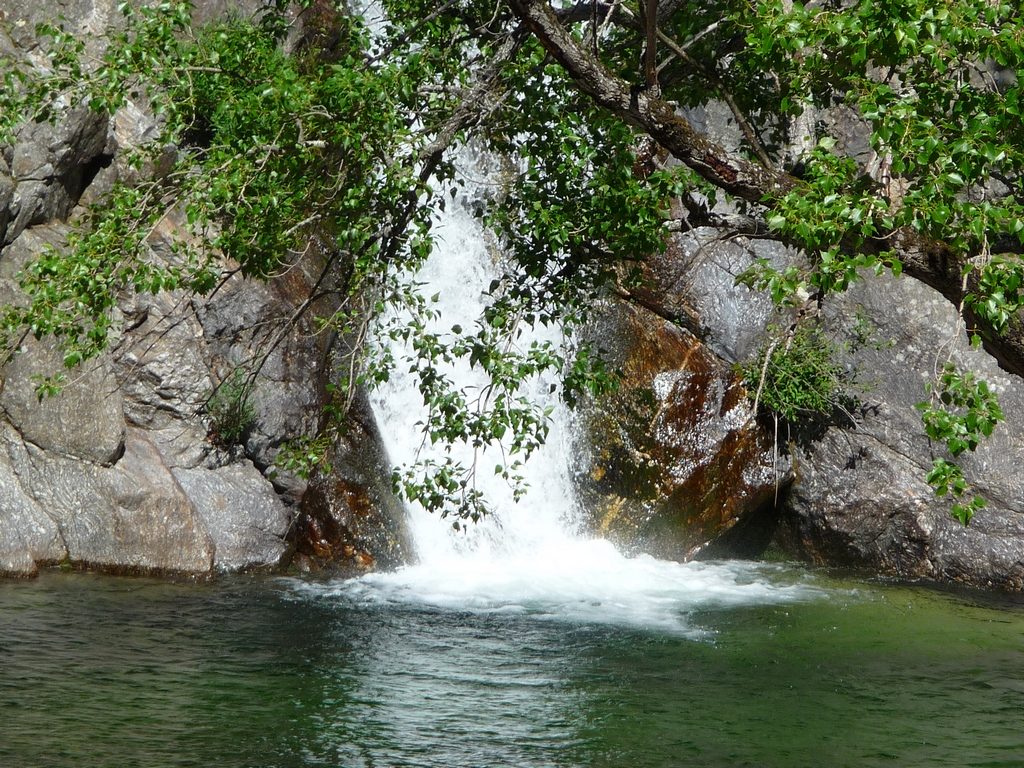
(531, 556)
(459, 272)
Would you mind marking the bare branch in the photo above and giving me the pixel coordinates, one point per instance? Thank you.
(649, 19)
(748, 131)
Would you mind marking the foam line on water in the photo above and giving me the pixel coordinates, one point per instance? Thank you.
(577, 581)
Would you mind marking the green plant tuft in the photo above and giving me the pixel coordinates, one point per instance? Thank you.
(230, 411)
(797, 378)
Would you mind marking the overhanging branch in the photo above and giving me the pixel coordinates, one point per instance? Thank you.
(930, 261)
(655, 116)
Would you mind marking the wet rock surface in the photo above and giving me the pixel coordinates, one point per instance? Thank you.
(693, 283)
(351, 519)
(675, 459)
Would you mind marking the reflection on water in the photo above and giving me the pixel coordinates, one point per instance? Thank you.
(104, 672)
(256, 672)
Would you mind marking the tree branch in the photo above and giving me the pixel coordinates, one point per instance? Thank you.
(930, 261)
(738, 177)
(716, 81)
(649, 19)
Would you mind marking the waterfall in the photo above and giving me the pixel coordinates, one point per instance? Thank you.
(458, 274)
(532, 556)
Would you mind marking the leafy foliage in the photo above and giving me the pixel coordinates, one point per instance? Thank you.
(939, 88)
(998, 295)
(274, 151)
(796, 377)
(932, 82)
(335, 149)
(962, 412)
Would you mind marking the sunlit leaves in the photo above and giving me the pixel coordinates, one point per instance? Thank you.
(938, 85)
(962, 412)
(998, 296)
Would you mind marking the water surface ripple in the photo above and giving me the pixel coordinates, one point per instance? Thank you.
(254, 672)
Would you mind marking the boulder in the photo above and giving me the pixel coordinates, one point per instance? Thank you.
(674, 459)
(132, 517)
(245, 519)
(51, 165)
(860, 497)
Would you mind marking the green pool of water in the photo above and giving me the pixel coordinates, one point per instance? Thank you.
(254, 672)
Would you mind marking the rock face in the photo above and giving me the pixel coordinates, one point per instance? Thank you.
(58, 428)
(351, 517)
(675, 463)
(860, 497)
(130, 468)
(675, 460)
(50, 167)
(241, 513)
(852, 491)
(693, 283)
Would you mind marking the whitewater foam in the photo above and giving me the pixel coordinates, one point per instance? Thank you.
(581, 581)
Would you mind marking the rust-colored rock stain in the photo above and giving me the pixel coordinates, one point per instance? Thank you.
(681, 458)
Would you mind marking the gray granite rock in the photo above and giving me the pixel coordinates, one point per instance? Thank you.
(15, 559)
(860, 497)
(51, 165)
(132, 517)
(27, 534)
(160, 362)
(248, 325)
(6, 199)
(31, 160)
(241, 512)
(699, 271)
(85, 420)
(29, 244)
